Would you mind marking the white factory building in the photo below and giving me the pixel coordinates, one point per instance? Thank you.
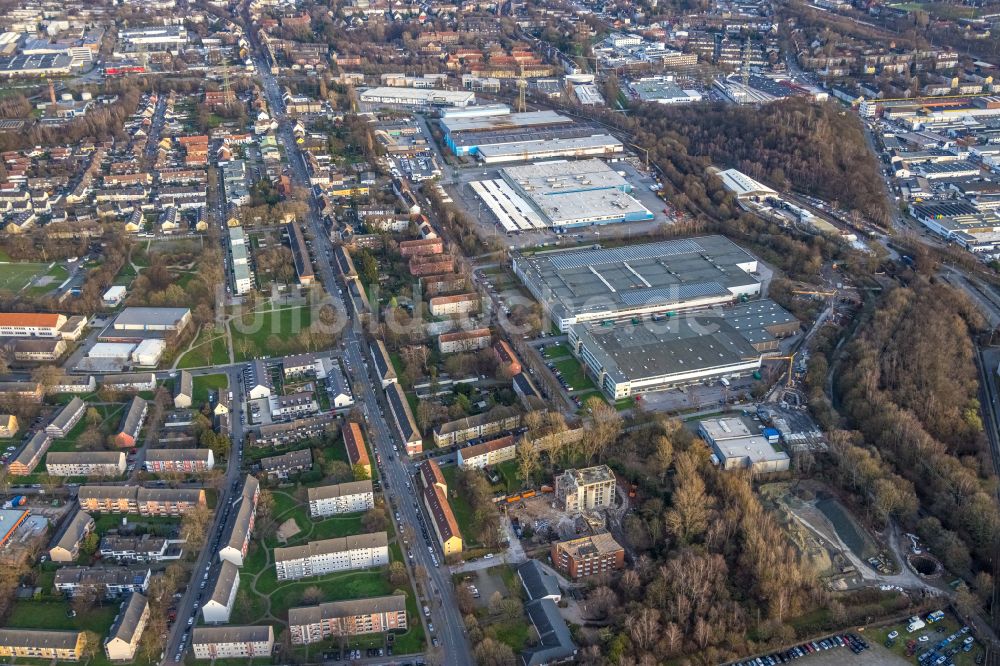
(560, 194)
(415, 98)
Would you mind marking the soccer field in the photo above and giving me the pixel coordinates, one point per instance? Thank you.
(15, 277)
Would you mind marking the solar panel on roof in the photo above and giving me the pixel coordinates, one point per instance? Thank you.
(632, 253)
(672, 293)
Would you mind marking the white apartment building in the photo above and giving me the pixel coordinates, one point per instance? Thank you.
(360, 551)
(219, 607)
(232, 642)
(79, 463)
(341, 498)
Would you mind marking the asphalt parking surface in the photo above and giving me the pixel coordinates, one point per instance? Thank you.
(875, 655)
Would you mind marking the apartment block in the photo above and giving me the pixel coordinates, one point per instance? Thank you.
(492, 452)
(585, 489)
(340, 498)
(232, 642)
(219, 607)
(587, 556)
(112, 581)
(312, 624)
(463, 430)
(441, 306)
(144, 501)
(435, 493)
(183, 461)
(357, 451)
(42, 644)
(123, 639)
(86, 463)
(360, 551)
(67, 543)
(30, 455)
(238, 540)
(67, 417)
(464, 341)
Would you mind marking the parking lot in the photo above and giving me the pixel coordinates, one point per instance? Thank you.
(874, 656)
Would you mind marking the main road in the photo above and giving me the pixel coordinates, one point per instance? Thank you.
(207, 561)
(438, 593)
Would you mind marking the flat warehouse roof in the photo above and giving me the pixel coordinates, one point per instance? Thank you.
(669, 272)
(505, 121)
(535, 147)
(559, 176)
(418, 95)
(691, 343)
(570, 207)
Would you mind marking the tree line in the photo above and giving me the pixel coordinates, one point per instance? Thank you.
(909, 387)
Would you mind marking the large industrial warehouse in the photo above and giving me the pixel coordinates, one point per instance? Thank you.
(560, 194)
(629, 358)
(500, 136)
(579, 286)
(415, 98)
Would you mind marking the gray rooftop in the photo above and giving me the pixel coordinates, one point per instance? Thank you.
(529, 147)
(335, 609)
(159, 455)
(232, 634)
(382, 361)
(668, 272)
(301, 458)
(228, 576)
(136, 316)
(244, 514)
(39, 638)
(132, 420)
(401, 409)
(509, 121)
(128, 620)
(538, 582)
(340, 490)
(75, 529)
(687, 343)
(555, 641)
(186, 384)
(336, 545)
(67, 413)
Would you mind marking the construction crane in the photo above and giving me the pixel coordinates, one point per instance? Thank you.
(791, 365)
(522, 87)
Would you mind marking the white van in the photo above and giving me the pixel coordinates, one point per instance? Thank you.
(916, 624)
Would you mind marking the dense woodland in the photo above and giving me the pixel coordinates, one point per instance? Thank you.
(908, 384)
(714, 575)
(791, 145)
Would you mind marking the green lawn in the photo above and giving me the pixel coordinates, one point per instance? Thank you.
(16, 276)
(250, 340)
(54, 277)
(204, 384)
(333, 587)
(104, 522)
(52, 615)
(208, 349)
(337, 526)
(111, 415)
(574, 375)
(459, 506)
(510, 480)
(512, 632)
(397, 363)
(125, 275)
(558, 350)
